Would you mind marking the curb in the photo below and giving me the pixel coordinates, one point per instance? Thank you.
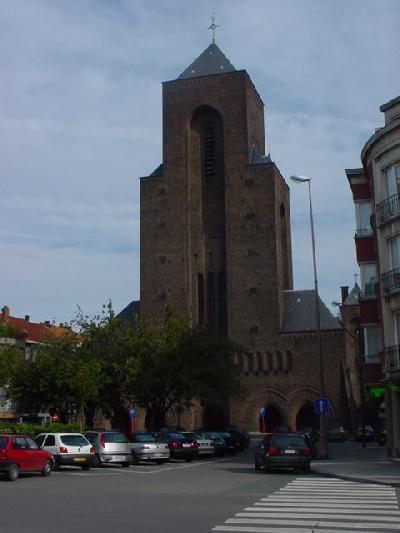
(321, 473)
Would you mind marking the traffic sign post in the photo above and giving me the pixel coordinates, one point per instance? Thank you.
(321, 406)
(263, 421)
(132, 416)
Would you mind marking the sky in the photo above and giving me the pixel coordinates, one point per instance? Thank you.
(80, 122)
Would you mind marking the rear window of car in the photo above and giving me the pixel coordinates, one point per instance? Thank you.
(3, 442)
(74, 440)
(176, 436)
(284, 441)
(190, 435)
(144, 438)
(114, 437)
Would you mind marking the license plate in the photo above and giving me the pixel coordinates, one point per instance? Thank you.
(291, 452)
(79, 459)
(186, 445)
(158, 455)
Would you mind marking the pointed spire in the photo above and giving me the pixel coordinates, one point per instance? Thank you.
(211, 61)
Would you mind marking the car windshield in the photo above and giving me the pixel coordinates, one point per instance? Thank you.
(115, 437)
(3, 442)
(284, 441)
(189, 435)
(74, 440)
(144, 438)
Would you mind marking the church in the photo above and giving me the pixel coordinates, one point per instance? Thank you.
(216, 241)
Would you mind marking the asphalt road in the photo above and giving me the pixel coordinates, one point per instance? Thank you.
(173, 498)
(200, 497)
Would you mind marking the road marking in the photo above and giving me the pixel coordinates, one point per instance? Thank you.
(321, 506)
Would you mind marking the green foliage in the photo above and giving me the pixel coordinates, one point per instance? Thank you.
(31, 430)
(7, 330)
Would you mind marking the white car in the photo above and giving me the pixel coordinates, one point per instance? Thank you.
(206, 445)
(71, 449)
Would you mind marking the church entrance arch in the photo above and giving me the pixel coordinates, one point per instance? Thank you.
(273, 418)
(306, 418)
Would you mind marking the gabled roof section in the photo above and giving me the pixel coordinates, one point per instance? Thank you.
(299, 313)
(130, 311)
(211, 61)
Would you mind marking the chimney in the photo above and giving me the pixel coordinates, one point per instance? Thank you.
(5, 313)
(344, 292)
(27, 317)
(47, 322)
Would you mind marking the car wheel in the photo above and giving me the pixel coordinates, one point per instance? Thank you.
(96, 463)
(12, 473)
(85, 467)
(46, 470)
(56, 466)
(189, 459)
(135, 460)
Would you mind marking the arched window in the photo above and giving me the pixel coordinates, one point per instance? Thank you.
(279, 361)
(211, 300)
(260, 362)
(270, 360)
(200, 298)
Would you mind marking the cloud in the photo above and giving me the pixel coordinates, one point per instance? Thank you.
(81, 120)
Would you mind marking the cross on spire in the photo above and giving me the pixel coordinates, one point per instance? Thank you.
(213, 27)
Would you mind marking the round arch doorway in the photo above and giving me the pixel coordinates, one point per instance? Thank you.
(273, 418)
(306, 417)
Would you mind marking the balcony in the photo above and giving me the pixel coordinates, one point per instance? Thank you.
(388, 209)
(391, 281)
(362, 233)
(392, 358)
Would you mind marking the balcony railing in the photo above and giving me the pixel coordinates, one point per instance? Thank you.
(362, 233)
(392, 358)
(368, 359)
(391, 281)
(388, 209)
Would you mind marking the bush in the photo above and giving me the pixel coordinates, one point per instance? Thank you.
(31, 430)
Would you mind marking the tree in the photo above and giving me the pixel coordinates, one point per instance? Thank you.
(175, 365)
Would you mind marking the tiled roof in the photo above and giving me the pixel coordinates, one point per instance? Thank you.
(130, 311)
(299, 313)
(211, 61)
(34, 332)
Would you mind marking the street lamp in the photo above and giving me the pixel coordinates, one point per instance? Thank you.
(323, 440)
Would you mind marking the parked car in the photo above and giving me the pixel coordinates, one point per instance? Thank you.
(283, 450)
(369, 434)
(220, 446)
(70, 449)
(206, 445)
(110, 447)
(337, 434)
(232, 444)
(145, 448)
(311, 442)
(20, 454)
(242, 435)
(179, 446)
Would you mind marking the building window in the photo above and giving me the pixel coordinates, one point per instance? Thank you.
(392, 177)
(372, 344)
(251, 215)
(251, 252)
(162, 296)
(250, 363)
(368, 279)
(397, 328)
(253, 329)
(249, 182)
(289, 360)
(279, 361)
(270, 361)
(394, 247)
(363, 218)
(252, 290)
(209, 152)
(162, 224)
(260, 362)
(162, 259)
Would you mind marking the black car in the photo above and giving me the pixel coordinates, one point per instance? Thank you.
(179, 446)
(283, 450)
(220, 446)
(232, 444)
(239, 435)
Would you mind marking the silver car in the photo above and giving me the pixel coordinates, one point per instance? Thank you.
(145, 447)
(110, 447)
(206, 445)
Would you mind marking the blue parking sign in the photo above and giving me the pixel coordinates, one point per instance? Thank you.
(321, 405)
(132, 413)
(262, 411)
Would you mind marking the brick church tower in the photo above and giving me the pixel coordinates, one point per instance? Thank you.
(215, 231)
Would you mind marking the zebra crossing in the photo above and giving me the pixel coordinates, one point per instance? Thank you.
(326, 505)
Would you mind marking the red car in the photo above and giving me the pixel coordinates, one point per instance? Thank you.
(20, 454)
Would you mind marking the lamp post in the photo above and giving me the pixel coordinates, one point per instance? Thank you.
(323, 440)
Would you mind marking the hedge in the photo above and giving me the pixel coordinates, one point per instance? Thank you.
(31, 430)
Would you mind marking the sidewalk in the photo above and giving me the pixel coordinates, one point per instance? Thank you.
(350, 461)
